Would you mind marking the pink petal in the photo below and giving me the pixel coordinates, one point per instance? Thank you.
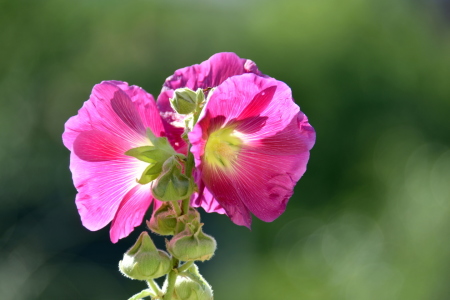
(113, 111)
(130, 212)
(101, 187)
(228, 103)
(306, 130)
(95, 145)
(103, 175)
(258, 104)
(210, 204)
(211, 72)
(77, 124)
(230, 198)
(206, 200)
(145, 105)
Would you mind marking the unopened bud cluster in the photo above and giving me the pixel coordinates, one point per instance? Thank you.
(189, 243)
(171, 185)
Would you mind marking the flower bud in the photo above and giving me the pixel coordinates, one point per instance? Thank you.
(172, 185)
(192, 216)
(163, 220)
(192, 244)
(190, 285)
(184, 101)
(143, 261)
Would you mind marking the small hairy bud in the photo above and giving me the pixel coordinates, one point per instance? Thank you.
(192, 244)
(163, 220)
(143, 261)
(190, 285)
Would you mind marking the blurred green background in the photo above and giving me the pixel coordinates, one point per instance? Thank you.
(370, 218)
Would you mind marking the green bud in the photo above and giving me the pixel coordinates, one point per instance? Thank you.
(192, 244)
(143, 261)
(172, 185)
(185, 100)
(190, 285)
(163, 220)
(192, 216)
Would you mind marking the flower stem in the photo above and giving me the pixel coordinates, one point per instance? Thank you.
(185, 204)
(155, 288)
(172, 277)
(177, 208)
(188, 173)
(185, 266)
(189, 163)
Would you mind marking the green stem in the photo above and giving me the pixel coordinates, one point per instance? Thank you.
(154, 286)
(172, 277)
(185, 204)
(186, 266)
(188, 173)
(177, 208)
(189, 163)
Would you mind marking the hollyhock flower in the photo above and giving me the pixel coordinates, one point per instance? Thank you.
(208, 74)
(251, 145)
(113, 121)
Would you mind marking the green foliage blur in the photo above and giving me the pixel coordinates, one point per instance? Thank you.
(370, 218)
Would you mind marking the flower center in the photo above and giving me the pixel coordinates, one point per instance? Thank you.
(222, 147)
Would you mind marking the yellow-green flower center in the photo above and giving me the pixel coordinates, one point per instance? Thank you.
(222, 148)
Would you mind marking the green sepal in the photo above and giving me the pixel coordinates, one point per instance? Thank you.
(160, 151)
(162, 143)
(150, 173)
(142, 153)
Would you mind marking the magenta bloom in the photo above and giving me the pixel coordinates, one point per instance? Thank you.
(208, 74)
(113, 121)
(251, 146)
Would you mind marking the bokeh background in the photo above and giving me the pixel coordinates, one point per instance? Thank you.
(370, 218)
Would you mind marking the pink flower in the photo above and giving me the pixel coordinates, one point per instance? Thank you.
(251, 146)
(113, 121)
(208, 74)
